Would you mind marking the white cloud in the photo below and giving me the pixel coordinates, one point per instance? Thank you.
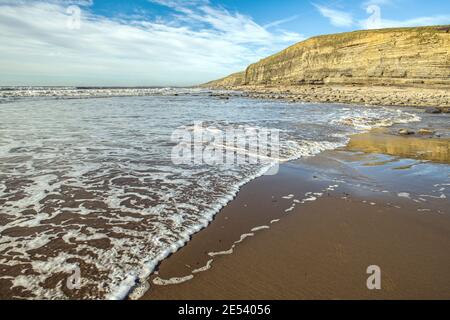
(201, 42)
(337, 18)
(375, 21)
(375, 18)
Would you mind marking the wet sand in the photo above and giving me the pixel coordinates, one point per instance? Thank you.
(417, 147)
(352, 209)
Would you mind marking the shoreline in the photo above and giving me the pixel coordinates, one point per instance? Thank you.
(217, 255)
(244, 226)
(436, 98)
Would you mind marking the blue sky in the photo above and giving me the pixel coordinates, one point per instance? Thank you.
(175, 42)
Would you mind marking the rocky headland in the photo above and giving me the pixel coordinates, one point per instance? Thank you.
(400, 67)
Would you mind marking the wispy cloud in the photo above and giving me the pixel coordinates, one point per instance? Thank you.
(371, 23)
(337, 18)
(280, 22)
(375, 20)
(198, 43)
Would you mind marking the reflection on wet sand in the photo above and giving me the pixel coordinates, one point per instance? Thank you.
(434, 149)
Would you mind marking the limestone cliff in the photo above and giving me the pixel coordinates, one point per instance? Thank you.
(234, 79)
(406, 56)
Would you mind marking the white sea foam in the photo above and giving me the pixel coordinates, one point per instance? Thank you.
(374, 118)
(139, 291)
(73, 92)
(165, 282)
(221, 253)
(204, 268)
(291, 208)
(260, 228)
(312, 198)
(243, 237)
(404, 195)
(442, 196)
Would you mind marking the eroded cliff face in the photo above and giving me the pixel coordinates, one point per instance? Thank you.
(407, 56)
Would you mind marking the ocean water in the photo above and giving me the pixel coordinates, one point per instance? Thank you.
(88, 182)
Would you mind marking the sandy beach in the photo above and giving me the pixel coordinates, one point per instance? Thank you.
(311, 231)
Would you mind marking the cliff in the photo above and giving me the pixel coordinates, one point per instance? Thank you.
(388, 57)
(235, 79)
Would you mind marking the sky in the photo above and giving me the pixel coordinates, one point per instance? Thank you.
(175, 42)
